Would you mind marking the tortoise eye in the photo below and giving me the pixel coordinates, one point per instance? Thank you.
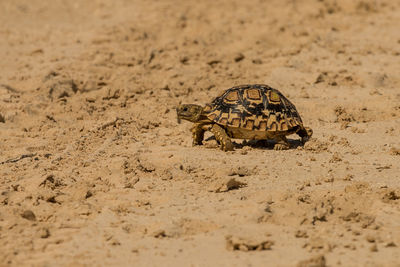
(185, 109)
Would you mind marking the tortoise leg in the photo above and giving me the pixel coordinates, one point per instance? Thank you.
(198, 134)
(281, 143)
(222, 138)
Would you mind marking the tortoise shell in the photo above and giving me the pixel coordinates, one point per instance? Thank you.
(255, 108)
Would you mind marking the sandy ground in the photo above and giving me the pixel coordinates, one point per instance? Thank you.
(95, 170)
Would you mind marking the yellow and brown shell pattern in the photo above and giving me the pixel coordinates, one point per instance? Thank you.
(254, 107)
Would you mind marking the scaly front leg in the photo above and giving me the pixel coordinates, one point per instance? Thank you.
(222, 137)
(198, 134)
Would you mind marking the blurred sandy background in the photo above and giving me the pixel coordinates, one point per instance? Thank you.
(95, 170)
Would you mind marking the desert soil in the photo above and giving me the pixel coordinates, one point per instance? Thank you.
(95, 170)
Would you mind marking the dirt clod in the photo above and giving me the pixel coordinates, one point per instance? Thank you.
(226, 184)
(318, 261)
(243, 244)
(29, 215)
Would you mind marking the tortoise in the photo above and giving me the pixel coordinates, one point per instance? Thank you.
(253, 112)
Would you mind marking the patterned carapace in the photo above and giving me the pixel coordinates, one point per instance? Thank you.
(254, 107)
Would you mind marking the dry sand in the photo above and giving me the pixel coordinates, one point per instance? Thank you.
(95, 170)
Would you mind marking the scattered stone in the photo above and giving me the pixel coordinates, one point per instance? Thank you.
(159, 234)
(329, 179)
(82, 193)
(9, 88)
(321, 77)
(44, 233)
(146, 166)
(88, 194)
(130, 183)
(114, 242)
(165, 174)
(318, 261)
(318, 244)
(240, 171)
(356, 232)
(90, 99)
(257, 61)
(301, 234)
(370, 238)
(364, 219)
(385, 167)
(357, 130)
(244, 244)
(226, 184)
(391, 244)
(344, 142)
(390, 196)
(322, 210)
(239, 57)
(29, 215)
(112, 93)
(267, 208)
(51, 182)
(61, 88)
(348, 177)
(184, 60)
(342, 115)
(213, 62)
(306, 198)
(350, 246)
(315, 145)
(393, 151)
(335, 158)
(374, 248)
(2, 119)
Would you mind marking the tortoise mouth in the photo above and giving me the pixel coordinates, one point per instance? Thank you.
(184, 116)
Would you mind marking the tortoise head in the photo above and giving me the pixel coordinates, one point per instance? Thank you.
(189, 112)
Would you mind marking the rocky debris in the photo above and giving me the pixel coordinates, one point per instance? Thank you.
(145, 165)
(322, 210)
(59, 86)
(318, 244)
(241, 171)
(131, 182)
(317, 261)
(391, 196)
(225, 184)
(394, 151)
(357, 217)
(29, 215)
(159, 233)
(301, 234)
(343, 116)
(246, 244)
(238, 57)
(316, 145)
(374, 248)
(44, 233)
(336, 157)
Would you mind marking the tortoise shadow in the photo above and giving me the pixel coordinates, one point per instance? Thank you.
(261, 144)
(267, 144)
